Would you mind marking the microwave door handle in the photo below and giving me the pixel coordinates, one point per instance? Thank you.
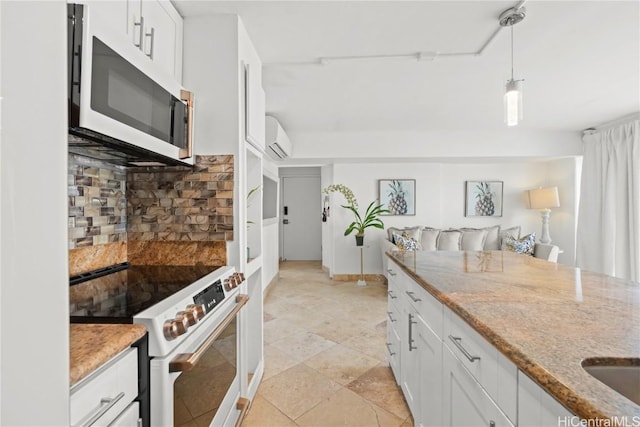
(186, 361)
(187, 152)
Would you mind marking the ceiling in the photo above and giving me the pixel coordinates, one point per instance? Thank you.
(580, 61)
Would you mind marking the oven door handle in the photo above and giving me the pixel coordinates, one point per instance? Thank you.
(186, 361)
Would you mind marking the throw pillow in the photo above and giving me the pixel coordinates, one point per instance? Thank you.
(525, 245)
(493, 240)
(513, 232)
(449, 240)
(392, 231)
(414, 233)
(405, 242)
(429, 240)
(473, 240)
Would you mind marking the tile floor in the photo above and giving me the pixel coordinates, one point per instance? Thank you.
(325, 355)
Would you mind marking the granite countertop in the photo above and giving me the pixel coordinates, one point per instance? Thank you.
(92, 345)
(545, 317)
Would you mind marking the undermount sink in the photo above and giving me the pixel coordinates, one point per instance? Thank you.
(621, 374)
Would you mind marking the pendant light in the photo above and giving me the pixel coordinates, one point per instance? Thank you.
(513, 93)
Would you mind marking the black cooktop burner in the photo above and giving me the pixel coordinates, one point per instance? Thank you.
(116, 294)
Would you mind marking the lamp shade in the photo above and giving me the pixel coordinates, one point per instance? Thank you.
(544, 198)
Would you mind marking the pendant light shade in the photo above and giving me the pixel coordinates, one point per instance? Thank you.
(513, 92)
(513, 102)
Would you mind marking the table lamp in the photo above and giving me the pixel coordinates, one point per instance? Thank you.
(544, 199)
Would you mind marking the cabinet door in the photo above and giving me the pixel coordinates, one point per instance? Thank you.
(393, 351)
(410, 362)
(134, 30)
(113, 12)
(465, 402)
(429, 356)
(536, 407)
(159, 34)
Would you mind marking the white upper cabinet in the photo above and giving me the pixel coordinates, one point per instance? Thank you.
(153, 26)
(161, 39)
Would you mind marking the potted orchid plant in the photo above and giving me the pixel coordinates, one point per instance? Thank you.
(361, 222)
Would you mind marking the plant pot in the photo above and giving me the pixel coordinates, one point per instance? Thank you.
(359, 239)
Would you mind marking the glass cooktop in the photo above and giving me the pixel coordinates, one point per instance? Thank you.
(116, 294)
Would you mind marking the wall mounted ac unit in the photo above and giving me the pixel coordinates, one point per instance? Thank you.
(278, 144)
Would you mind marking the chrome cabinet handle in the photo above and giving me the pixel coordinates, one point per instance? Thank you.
(389, 313)
(411, 295)
(390, 271)
(457, 342)
(151, 35)
(411, 340)
(391, 353)
(105, 404)
(391, 294)
(141, 25)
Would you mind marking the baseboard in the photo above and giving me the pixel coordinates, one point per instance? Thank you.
(270, 286)
(356, 277)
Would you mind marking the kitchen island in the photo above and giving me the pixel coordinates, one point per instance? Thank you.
(544, 317)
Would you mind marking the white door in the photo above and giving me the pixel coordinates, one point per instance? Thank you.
(301, 218)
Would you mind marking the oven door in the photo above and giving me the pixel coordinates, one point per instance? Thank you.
(199, 382)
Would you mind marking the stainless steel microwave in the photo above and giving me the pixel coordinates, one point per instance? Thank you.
(122, 108)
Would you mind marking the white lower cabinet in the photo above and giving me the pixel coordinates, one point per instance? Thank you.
(429, 355)
(106, 395)
(449, 374)
(130, 417)
(537, 408)
(466, 403)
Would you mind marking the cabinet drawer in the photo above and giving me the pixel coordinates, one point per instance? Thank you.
(108, 391)
(466, 403)
(485, 363)
(426, 305)
(393, 352)
(129, 417)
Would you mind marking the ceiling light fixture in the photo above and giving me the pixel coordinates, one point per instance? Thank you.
(513, 94)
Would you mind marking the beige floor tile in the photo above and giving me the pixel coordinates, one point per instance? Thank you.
(276, 361)
(297, 390)
(264, 414)
(345, 408)
(337, 328)
(341, 364)
(306, 314)
(379, 386)
(279, 328)
(370, 342)
(303, 345)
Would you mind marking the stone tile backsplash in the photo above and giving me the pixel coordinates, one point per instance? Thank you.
(182, 203)
(151, 215)
(97, 202)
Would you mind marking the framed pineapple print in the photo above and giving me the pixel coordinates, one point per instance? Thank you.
(483, 198)
(398, 196)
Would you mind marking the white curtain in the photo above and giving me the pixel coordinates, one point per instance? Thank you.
(608, 238)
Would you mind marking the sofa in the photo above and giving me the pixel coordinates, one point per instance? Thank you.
(492, 238)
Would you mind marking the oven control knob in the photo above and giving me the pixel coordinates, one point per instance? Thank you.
(197, 310)
(175, 327)
(187, 316)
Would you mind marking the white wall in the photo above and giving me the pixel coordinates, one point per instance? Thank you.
(440, 199)
(34, 315)
(448, 144)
